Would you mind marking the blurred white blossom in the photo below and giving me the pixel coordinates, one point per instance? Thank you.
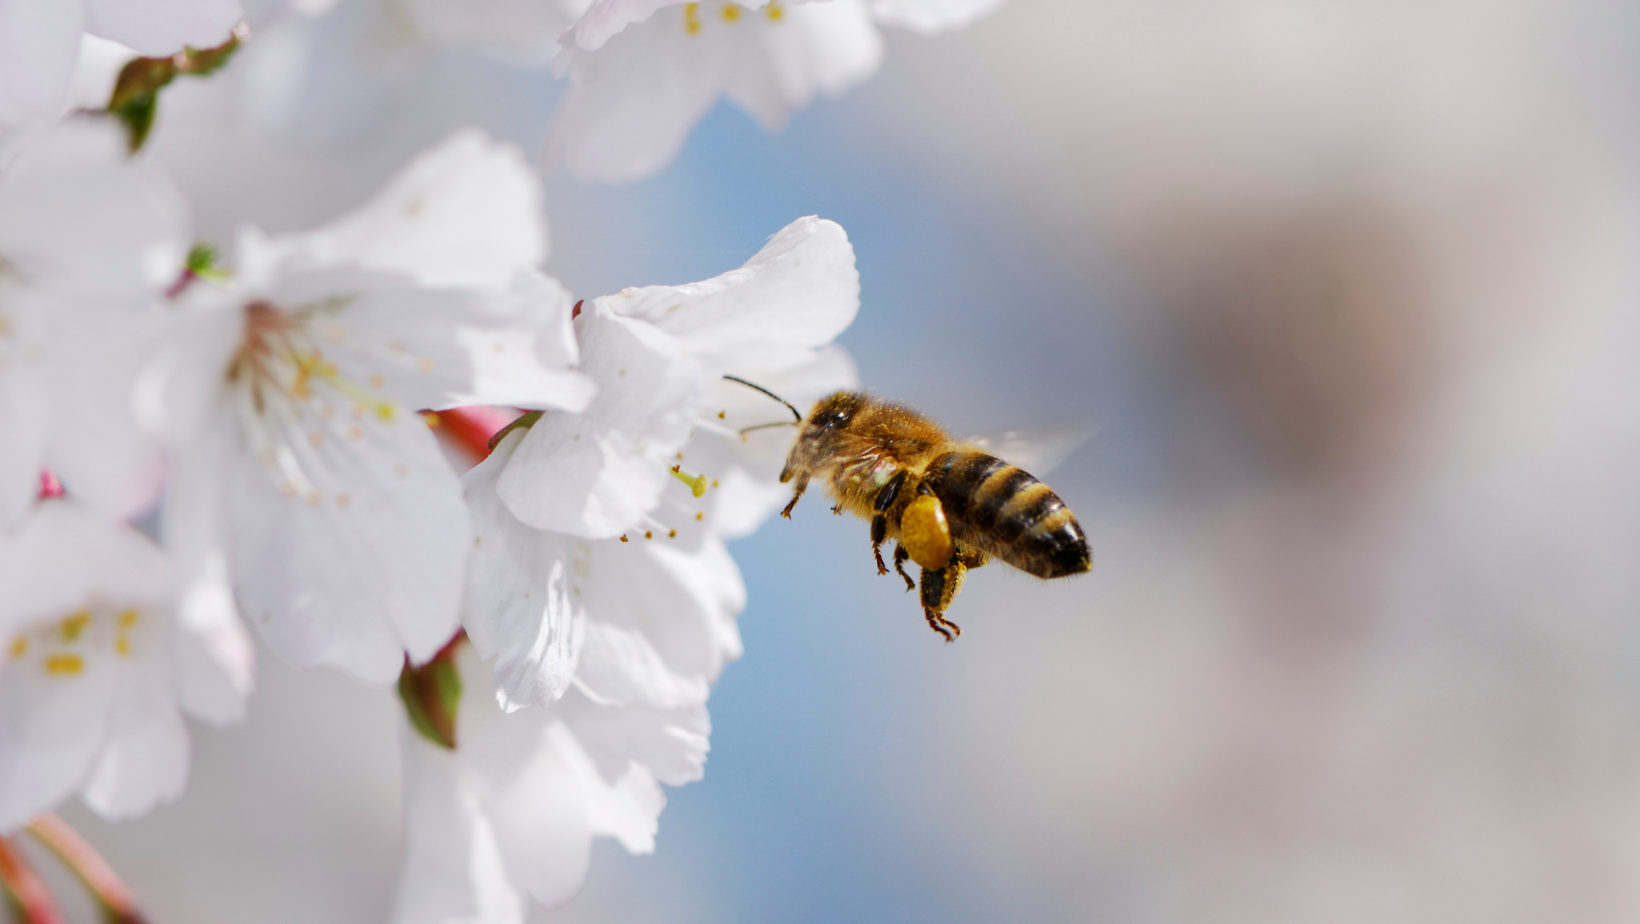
(509, 813)
(290, 399)
(645, 71)
(99, 662)
(89, 241)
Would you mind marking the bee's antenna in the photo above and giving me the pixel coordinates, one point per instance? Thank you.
(779, 423)
(797, 418)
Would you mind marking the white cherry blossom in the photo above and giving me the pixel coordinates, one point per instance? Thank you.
(659, 354)
(89, 241)
(645, 71)
(303, 473)
(587, 515)
(99, 661)
(509, 813)
(653, 607)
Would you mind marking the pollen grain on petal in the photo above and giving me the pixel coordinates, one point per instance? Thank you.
(128, 618)
(19, 646)
(343, 499)
(731, 13)
(73, 625)
(64, 665)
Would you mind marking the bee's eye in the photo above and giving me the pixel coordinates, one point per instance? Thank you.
(832, 418)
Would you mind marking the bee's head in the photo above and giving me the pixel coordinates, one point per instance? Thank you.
(820, 434)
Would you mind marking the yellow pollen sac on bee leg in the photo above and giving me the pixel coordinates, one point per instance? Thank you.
(696, 483)
(64, 664)
(925, 534)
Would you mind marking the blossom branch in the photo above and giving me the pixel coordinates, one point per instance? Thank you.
(118, 904)
(25, 888)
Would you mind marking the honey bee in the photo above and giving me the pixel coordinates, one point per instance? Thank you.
(948, 505)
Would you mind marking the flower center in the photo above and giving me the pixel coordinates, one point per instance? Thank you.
(288, 393)
(63, 647)
(730, 13)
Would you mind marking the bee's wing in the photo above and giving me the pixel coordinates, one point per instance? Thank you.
(1038, 449)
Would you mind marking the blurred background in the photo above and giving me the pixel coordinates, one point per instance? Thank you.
(1351, 290)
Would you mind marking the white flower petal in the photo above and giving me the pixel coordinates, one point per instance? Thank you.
(162, 27)
(670, 744)
(365, 560)
(522, 606)
(800, 290)
(605, 18)
(51, 728)
(25, 402)
(467, 212)
(932, 16)
(596, 473)
(453, 872)
(684, 604)
(636, 98)
(39, 42)
(144, 760)
(620, 667)
(633, 103)
(816, 48)
(542, 823)
(214, 661)
(523, 31)
(76, 212)
(96, 445)
(65, 555)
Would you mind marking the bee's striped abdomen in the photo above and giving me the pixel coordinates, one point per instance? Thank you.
(1004, 511)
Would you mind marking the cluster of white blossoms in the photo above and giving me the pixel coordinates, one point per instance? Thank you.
(393, 445)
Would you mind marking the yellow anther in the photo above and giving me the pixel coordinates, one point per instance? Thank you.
(128, 618)
(64, 664)
(731, 13)
(774, 11)
(122, 645)
(648, 535)
(431, 419)
(623, 537)
(691, 18)
(384, 410)
(74, 624)
(696, 483)
(700, 515)
(672, 534)
(19, 646)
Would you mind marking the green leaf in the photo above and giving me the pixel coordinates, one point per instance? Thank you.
(432, 694)
(135, 99)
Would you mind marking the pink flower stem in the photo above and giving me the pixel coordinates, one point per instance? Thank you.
(24, 887)
(118, 905)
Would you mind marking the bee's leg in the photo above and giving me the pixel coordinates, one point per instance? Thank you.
(971, 558)
(797, 494)
(901, 556)
(938, 589)
(879, 519)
